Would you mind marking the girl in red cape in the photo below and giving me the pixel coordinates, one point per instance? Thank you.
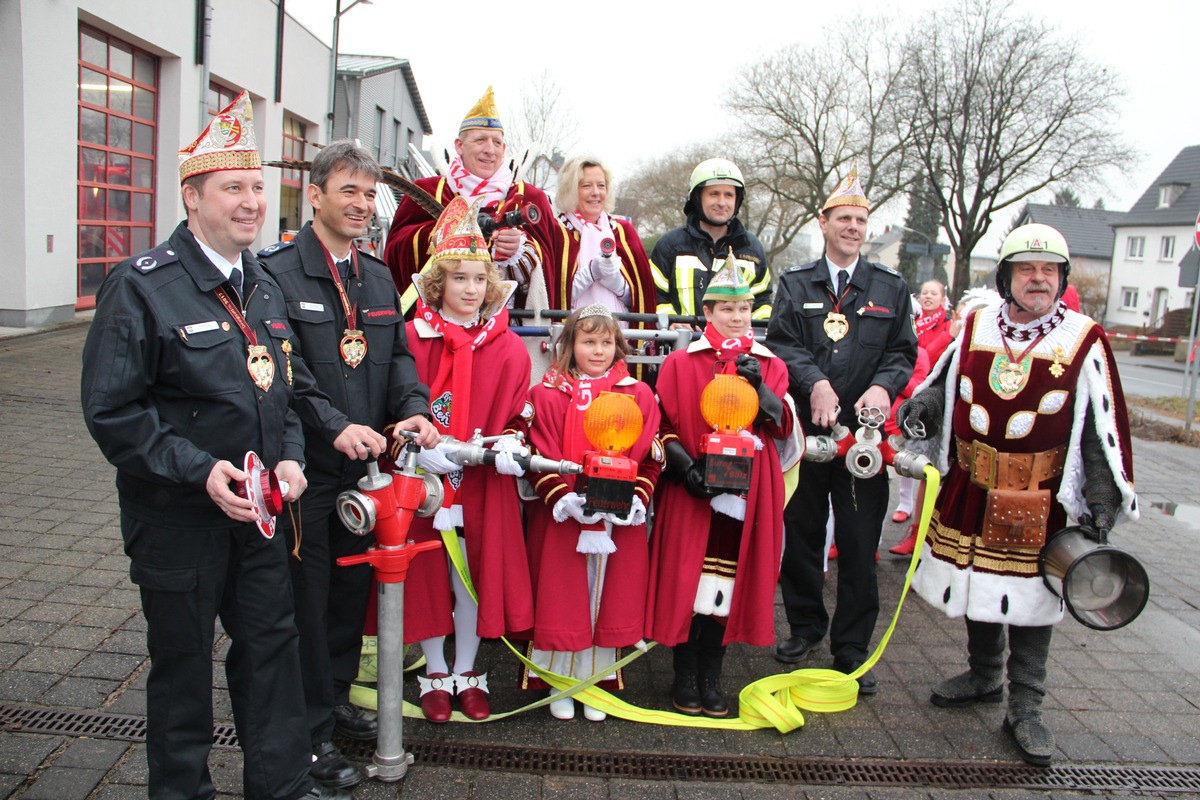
(589, 571)
(715, 556)
(477, 371)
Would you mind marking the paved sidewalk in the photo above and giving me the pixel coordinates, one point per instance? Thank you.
(72, 638)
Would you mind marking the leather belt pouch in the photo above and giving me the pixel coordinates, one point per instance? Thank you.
(1016, 519)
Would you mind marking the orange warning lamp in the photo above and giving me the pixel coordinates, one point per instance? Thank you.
(613, 423)
(729, 404)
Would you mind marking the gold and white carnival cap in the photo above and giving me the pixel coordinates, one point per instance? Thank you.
(729, 283)
(456, 234)
(226, 143)
(848, 193)
(482, 115)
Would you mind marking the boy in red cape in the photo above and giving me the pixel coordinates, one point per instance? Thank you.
(715, 557)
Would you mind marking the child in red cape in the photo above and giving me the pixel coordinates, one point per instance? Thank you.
(589, 571)
(715, 556)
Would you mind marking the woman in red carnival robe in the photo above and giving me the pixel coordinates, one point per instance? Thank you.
(589, 571)
(934, 335)
(478, 374)
(622, 283)
(715, 556)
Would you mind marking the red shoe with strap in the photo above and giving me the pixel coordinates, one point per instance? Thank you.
(906, 545)
(435, 695)
(472, 691)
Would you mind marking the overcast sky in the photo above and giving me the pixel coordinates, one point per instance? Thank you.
(645, 79)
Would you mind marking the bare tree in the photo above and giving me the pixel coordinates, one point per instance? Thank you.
(815, 113)
(1001, 106)
(654, 193)
(543, 124)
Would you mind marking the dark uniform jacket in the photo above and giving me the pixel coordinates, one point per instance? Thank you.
(879, 348)
(682, 266)
(383, 388)
(165, 388)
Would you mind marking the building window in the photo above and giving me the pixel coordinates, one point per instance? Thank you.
(397, 144)
(379, 118)
(219, 96)
(291, 183)
(1136, 247)
(1166, 248)
(118, 114)
(1129, 298)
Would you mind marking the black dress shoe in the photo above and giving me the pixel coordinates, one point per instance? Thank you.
(332, 769)
(319, 792)
(354, 723)
(794, 650)
(866, 682)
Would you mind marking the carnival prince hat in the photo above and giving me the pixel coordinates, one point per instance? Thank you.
(482, 115)
(848, 193)
(729, 283)
(226, 143)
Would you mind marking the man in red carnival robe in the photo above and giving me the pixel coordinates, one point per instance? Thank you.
(528, 255)
(715, 556)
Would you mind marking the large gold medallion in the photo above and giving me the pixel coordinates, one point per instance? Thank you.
(353, 347)
(836, 326)
(1008, 378)
(260, 366)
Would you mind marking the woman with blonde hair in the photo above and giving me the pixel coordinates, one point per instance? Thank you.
(619, 277)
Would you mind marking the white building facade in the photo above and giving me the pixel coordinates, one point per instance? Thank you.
(1150, 242)
(99, 96)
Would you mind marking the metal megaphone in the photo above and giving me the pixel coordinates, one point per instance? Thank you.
(1103, 587)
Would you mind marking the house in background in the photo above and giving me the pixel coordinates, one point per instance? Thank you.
(376, 101)
(1150, 241)
(1089, 234)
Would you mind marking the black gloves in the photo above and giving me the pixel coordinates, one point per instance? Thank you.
(1100, 490)
(684, 469)
(749, 368)
(927, 407)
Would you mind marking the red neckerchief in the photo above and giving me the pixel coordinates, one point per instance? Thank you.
(457, 364)
(583, 389)
(928, 320)
(728, 350)
(350, 310)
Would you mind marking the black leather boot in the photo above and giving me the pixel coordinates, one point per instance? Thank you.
(712, 657)
(685, 690)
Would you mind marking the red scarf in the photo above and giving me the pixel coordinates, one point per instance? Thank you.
(728, 350)
(583, 389)
(929, 320)
(450, 389)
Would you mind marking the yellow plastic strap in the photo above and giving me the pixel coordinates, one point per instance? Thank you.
(408, 299)
(776, 701)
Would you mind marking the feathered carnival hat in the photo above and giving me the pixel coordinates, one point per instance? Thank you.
(226, 143)
(729, 283)
(482, 115)
(848, 193)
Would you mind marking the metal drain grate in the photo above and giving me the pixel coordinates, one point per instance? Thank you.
(668, 767)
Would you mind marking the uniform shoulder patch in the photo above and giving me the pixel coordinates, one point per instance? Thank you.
(886, 269)
(153, 259)
(267, 252)
(803, 267)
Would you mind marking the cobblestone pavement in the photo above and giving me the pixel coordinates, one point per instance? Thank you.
(72, 638)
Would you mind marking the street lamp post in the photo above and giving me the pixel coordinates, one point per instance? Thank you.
(333, 62)
(926, 251)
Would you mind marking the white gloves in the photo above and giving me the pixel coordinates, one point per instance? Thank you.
(607, 273)
(571, 505)
(637, 514)
(435, 461)
(505, 463)
(731, 505)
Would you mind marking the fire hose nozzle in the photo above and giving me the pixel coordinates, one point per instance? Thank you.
(470, 454)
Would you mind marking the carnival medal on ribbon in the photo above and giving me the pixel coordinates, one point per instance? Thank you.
(353, 347)
(260, 366)
(836, 326)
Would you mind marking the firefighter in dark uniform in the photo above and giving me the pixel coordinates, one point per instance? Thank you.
(682, 260)
(187, 366)
(344, 310)
(844, 328)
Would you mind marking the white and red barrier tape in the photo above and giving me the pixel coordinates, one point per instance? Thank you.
(1140, 338)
